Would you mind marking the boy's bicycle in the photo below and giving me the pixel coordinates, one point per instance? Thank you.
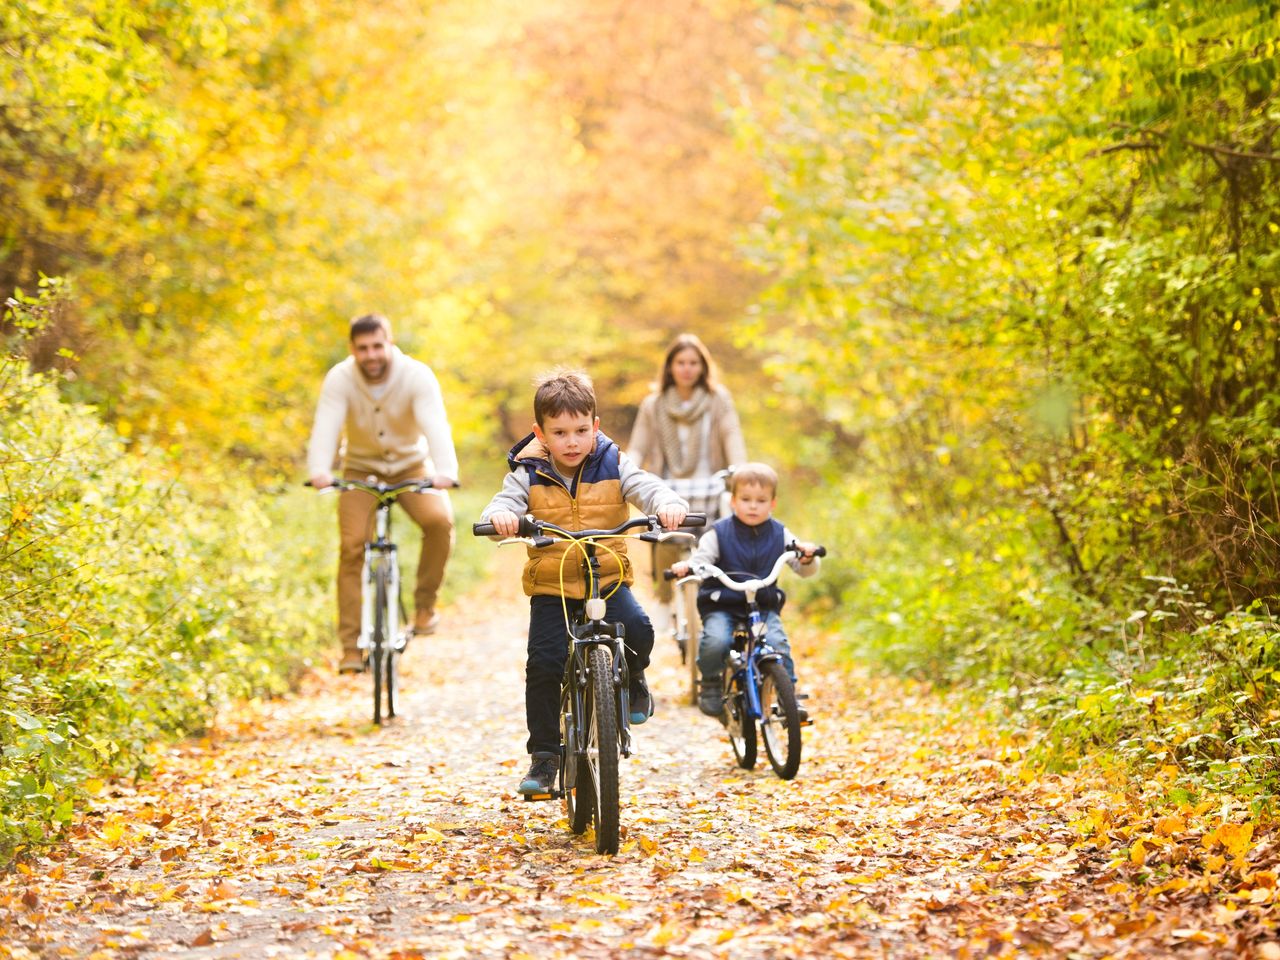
(382, 637)
(595, 692)
(757, 689)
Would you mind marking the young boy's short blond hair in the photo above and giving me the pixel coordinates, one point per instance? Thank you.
(760, 474)
(563, 391)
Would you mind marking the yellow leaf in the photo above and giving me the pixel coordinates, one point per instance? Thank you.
(1138, 853)
(665, 934)
(725, 935)
(1236, 837)
(1168, 826)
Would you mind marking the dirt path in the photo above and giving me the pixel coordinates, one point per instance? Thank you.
(300, 831)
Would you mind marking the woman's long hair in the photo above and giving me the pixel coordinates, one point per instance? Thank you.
(688, 341)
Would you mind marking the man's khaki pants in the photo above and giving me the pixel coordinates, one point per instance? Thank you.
(431, 511)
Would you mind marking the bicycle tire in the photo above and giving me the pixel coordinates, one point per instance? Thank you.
(692, 627)
(779, 720)
(742, 729)
(602, 748)
(379, 649)
(575, 778)
(391, 660)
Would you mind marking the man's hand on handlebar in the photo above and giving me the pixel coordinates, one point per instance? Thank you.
(506, 523)
(681, 569)
(321, 481)
(441, 482)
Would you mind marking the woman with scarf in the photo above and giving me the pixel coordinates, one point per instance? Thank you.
(685, 432)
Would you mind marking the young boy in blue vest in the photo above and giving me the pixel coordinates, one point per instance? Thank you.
(571, 474)
(744, 545)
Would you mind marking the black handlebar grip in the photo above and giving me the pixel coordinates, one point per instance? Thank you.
(694, 520)
(669, 575)
(483, 530)
(820, 552)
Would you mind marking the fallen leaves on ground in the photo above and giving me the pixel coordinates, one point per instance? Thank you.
(298, 829)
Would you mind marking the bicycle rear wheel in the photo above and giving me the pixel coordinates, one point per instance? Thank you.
(602, 747)
(742, 729)
(779, 720)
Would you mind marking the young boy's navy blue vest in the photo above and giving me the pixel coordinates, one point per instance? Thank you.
(746, 553)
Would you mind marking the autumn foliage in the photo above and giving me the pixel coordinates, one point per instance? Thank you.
(993, 284)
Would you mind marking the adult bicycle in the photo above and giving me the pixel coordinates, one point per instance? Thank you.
(595, 690)
(685, 624)
(383, 636)
(757, 689)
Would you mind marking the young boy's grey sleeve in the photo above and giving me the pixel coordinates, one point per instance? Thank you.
(805, 570)
(708, 549)
(644, 490)
(513, 497)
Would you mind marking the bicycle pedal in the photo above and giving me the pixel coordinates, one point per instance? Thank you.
(806, 723)
(530, 797)
(802, 696)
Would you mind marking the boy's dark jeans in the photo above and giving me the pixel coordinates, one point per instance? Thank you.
(549, 649)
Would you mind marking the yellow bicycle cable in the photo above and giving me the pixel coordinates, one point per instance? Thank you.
(579, 544)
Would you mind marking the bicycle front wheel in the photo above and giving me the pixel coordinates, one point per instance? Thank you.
(576, 783)
(602, 747)
(380, 650)
(779, 720)
(391, 679)
(742, 729)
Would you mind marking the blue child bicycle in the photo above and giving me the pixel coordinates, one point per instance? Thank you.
(757, 689)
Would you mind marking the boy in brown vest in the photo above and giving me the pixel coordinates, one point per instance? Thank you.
(569, 473)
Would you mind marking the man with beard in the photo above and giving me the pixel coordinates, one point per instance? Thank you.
(387, 410)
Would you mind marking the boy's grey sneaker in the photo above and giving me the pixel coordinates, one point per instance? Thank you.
(710, 700)
(641, 701)
(542, 774)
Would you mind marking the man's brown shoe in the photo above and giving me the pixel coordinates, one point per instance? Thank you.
(425, 623)
(352, 662)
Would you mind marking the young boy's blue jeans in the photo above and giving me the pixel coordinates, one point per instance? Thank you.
(549, 649)
(717, 639)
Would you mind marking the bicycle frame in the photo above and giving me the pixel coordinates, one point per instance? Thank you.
(591, 629)
(756, 650)
(381, 553)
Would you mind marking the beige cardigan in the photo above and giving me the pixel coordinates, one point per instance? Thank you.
(405, 427)
(726, 443)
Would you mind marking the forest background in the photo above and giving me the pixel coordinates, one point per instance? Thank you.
(994, 285)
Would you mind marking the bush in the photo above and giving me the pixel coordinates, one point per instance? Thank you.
(134, 603)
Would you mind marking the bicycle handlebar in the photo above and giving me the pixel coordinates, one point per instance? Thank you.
(380, 489)
(531, 527)
(711, 571)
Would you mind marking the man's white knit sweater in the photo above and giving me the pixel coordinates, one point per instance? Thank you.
(402, 426)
